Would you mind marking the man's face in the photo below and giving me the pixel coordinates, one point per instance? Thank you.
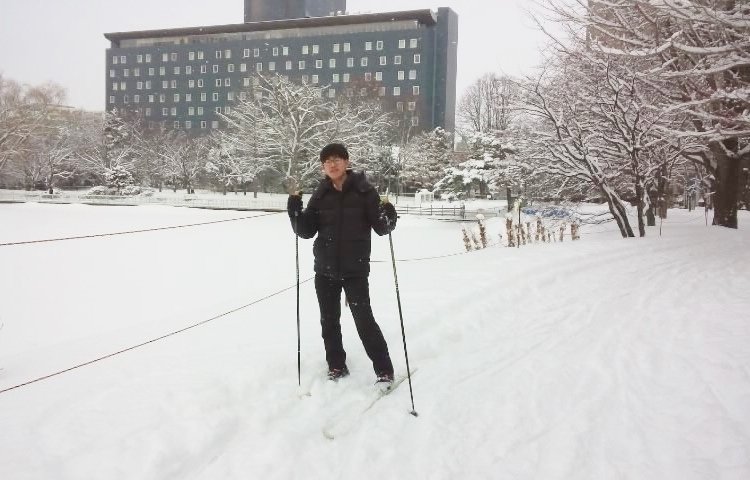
(335, 167)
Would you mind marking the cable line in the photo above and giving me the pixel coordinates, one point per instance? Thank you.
(153, 340)
(99, 235)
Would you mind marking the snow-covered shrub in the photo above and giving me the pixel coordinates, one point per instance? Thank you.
(467, 240)
(101, 190)
(131, 190)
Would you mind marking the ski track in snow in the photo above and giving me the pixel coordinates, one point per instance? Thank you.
(604, 358)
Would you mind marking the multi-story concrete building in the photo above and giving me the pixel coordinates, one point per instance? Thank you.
(184, 77)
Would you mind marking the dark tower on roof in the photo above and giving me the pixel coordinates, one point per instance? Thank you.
(265, 10)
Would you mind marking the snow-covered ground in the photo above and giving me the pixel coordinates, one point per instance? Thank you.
(600, 359)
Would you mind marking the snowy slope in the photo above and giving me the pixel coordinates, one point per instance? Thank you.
(604, 358)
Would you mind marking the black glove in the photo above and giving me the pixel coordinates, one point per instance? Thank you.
(390, 214)
(294, 205)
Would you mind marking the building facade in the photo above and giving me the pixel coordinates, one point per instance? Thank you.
(186, 78)
(266, 10)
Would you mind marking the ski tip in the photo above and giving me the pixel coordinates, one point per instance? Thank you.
(414, 413)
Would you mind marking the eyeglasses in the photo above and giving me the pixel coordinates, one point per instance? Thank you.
(333, 160)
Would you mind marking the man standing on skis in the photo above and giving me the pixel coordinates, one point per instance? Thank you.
(342, 211)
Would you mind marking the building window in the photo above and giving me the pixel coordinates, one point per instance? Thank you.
(188, 97)
(346, 78)
(200, 83)
(414, 121)
(111, 99)
(176, 70)
(304, 79)
(318, 63)
(285, 51)
(305, 49)
(396, 91)
(347, 47)
(123, 59)
(258, 67)
(243, 67)
(151, 99)
(335, 78)
(176, 97)
(188, 124)
(288, 65)
(363, 92)
(315, 79)
(215, 68)
(191, 55)
(413, 43)
(412, 106)
(331, 93)
(246, 53)
(246, 82)
(383, 60)
(230, 97)
(165, 84)
(397, 60)
(151, 71)
(256, 52)
(125, 72)
(275, 51)
(173, 84)
(203, 124)
(336, 47)
(148, 111)
(415, 90)
(227, 54)
(315, 49)
(148, 58)
(417, 58)
(214, 124)
(123, 85)
(164, 57)
(162, 71)
(111, 74)
(176, 124)
(381, 91)
(350, 62)
(227, 110)
(368, 76)
(215, 96)
(218, 54)
(227, 82)
(230, 68)
(188, 70)
(136, 72)
(217, 110)
(139, 58)
(399, 106)
(402, 43)
(368, 46)
(378, 76)
(139, 85)
(165, 111)
(379, 45)
(148, 84)
(412, 74)
(200, 54)
(332, 63)
(301, 65)
(271, 66)
(115, 86)
(200, 110)
(114, 61)
(363, 62)
(162, 98)
(401, 75)
(243, 96)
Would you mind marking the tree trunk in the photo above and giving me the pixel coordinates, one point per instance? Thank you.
(727, 183)
(617, 210)
(639, 194)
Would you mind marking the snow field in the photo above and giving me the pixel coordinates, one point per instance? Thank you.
(604, 358)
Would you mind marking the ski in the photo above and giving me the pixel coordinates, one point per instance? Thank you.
(344, 425)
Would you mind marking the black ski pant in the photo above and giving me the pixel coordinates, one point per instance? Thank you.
(357, 290)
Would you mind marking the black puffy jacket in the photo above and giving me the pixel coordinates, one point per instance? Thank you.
(343, 220)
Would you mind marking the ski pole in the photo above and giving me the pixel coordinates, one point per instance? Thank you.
(401, 318)
(296, 257)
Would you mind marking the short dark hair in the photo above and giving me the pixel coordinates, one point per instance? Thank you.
(334, 150)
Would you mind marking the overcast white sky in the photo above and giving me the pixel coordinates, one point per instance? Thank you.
(62, 40)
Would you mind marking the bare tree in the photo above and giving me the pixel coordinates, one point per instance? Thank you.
(488, 104)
